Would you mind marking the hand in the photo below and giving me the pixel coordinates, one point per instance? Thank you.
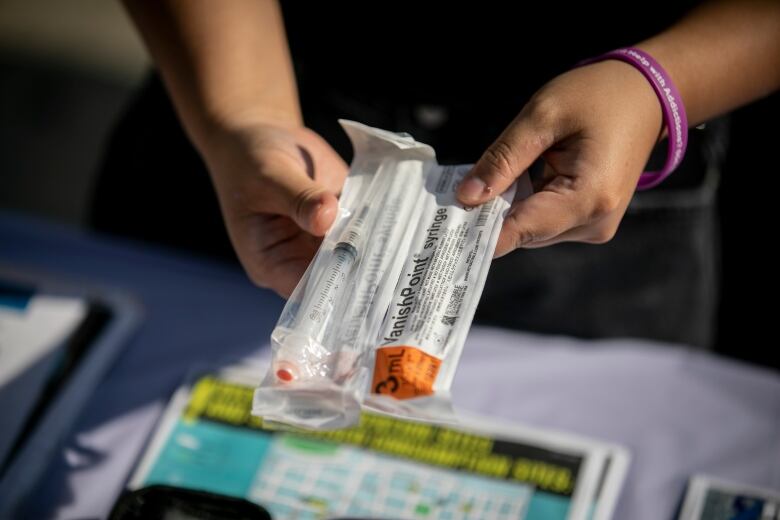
(595, 127)
(277, 187)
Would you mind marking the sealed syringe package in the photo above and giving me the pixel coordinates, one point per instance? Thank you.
(381, 315)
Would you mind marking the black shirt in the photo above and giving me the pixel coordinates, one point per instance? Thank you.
(453, 75)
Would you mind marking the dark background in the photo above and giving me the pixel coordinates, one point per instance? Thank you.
(748, 209)
(68, 69)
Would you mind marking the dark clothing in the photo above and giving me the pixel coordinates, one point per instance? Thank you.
(445, 81)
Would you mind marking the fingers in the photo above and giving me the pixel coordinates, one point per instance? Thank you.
(564, 211)
(315, 212)
(294, 194)
(275, 253)
(281, 279)
(285, 278)
(539, 218)
(276, 188)
(600, 233)
(523, 141)
(273, 230)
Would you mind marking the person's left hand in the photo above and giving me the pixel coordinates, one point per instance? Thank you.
(595, 127)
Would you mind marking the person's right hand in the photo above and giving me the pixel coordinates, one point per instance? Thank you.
(277, 187)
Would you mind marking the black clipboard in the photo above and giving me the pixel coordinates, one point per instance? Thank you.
(65, 383)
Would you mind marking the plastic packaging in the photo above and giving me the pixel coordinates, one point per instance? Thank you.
(381, 315)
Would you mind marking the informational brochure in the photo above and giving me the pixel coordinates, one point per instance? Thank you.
(382, 468)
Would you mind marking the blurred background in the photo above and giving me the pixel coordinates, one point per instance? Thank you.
(67, 70)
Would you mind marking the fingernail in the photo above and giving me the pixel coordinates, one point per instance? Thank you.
(320, 217)
(473, 188)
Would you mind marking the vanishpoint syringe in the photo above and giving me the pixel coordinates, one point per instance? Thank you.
(301, 354)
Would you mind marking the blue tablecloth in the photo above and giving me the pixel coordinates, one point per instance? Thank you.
(679, 411)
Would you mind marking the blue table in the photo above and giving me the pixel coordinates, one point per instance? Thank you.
(196, 312)
(678, 411)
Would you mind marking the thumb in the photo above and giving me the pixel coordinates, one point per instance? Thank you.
(308, 203)
(521, 143)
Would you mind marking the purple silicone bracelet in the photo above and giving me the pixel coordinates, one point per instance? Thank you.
(671, 106)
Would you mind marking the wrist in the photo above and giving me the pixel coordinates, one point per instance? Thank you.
(674, 116)
(213, 125)
(631, 93)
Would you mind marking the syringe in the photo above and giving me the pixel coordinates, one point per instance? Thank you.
(400, 187)
(301, 354)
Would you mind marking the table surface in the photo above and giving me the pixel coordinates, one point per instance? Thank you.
(678, 411)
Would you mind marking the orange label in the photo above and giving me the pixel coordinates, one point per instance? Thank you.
(404, 372)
